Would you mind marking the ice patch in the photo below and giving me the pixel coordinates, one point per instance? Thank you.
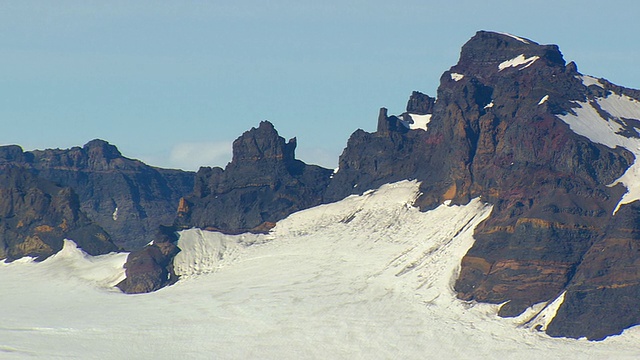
(543, 100)
(456, 76)
(590, 80)
(588, 122)
(418, 122)
(115, 214)
(517, 61)
(489, 105)
(515, 37)
(541, 321)
(335, 171)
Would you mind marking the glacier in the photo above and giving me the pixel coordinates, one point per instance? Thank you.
(368, 277)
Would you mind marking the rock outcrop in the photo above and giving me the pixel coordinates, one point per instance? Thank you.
(151, 267)
(126, 197)
(262, 184)
(497, 131)
(36, 215)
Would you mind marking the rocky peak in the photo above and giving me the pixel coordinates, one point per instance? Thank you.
(494, 133)
(388, 124)
(100, 149)
(262, 144)
(491, 49)
(262, 184)
(420, 104)
(13, 154)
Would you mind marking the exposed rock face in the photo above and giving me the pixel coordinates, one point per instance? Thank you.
(151, 267)
(261, 185)
(36, 215)
(494, 132)
(392, 153)
(552, 205)
(126, 197)
(420, 104)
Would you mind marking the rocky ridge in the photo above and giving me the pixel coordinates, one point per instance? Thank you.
(262, 184)
(126, 197)
(496, 131)
(36, 215)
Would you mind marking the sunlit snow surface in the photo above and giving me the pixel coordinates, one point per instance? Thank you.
(517, 61)
(589, 122)
(365, 278)
(456, 76)
(543, 100)
(419, 121)
(590, 80)
(515, 37)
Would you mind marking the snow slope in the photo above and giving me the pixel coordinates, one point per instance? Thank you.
(601, 121)
(368, 277)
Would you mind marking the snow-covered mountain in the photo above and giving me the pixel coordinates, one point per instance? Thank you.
(349, 280)
(475, 224)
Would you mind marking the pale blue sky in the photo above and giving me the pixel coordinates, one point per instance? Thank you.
(174, 82)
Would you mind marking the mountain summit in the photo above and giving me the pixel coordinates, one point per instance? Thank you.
(550, 148)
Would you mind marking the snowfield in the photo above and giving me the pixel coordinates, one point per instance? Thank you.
(369, 277)
(589, 122)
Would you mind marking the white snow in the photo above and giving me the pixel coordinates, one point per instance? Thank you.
(588, 122)
(335, 171)
(456, 76)
(115, 214)
(543, 100)
(517, 61)
(489, 105)
(419, 122)
(546, 314)
(590, 80)
(515, 37)
(369, 277)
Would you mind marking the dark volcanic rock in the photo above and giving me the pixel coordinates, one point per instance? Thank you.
(261, 185)
(602, 297)
(420, 104)
(392, 153)
(36, 215)
(494, 133)
(151, 268)
(547, 184)
(126, 197)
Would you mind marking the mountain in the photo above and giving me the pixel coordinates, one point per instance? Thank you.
(262, 184)
(125, 197)
(551, 149)
(513, 126)
(548, 147)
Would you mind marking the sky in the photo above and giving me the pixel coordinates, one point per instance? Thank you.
(173, 83)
